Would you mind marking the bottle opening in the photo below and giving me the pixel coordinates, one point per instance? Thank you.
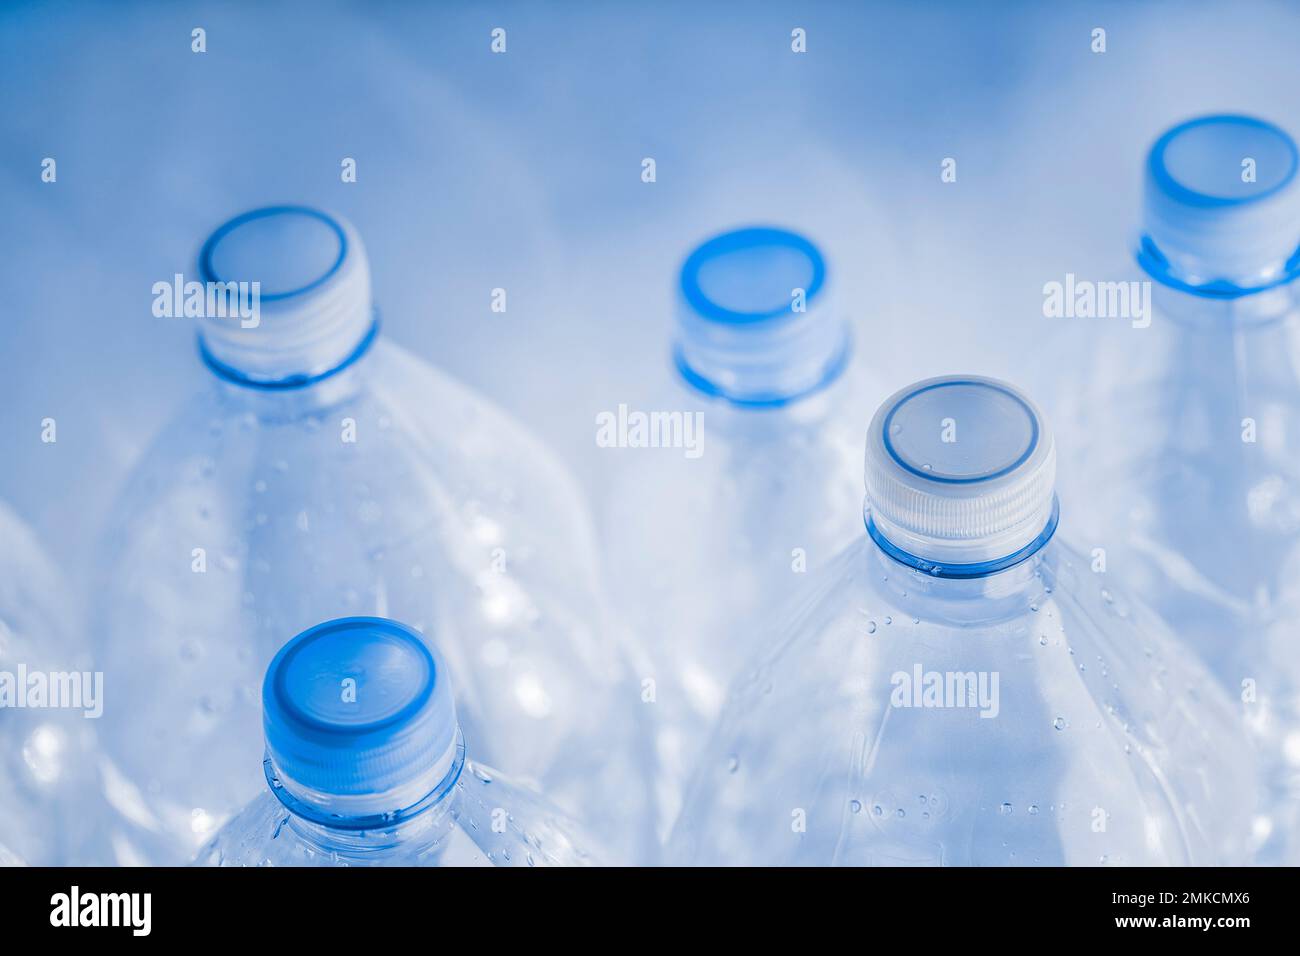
(289, 250)
(1223, 160)
(960, 476)
(1222, 207)
(754, 326)
(359, 721)
(306, 274)
(750, 274)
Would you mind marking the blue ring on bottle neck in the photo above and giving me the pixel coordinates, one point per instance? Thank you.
(978, 569)
(832, 371)
(1157, 266)
(235, 376)
(370, 821)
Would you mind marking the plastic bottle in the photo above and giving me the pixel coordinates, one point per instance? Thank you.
(1189, 432)
(365, 766)
(50, 698)
(708, 533)
(961, 687)
(325, 472)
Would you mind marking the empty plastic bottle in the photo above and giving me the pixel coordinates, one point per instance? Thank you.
(327, 473)
(1189, 451)
(716, 522)
(49, 699)
(961, 688)
(365, 766)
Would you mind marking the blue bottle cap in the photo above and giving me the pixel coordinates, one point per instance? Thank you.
(754, 322)
(960, 471)
(1222, 206)
(312, 295)
(359, 716)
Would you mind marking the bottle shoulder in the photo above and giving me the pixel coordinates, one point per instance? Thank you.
(488, 820)
(902, 733)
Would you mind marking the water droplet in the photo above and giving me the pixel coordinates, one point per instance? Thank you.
(1059, 723)
(855, 806)
(1005, 809)
(871, 627)
(1033, 809)
(733, 763)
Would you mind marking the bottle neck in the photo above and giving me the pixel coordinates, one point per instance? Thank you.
(410, 837)
(414, 815)
(766, 363)
(997, 595)
(964, 560)
(289, 400)
(1192, 310)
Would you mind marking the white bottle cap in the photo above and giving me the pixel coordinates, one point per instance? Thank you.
(960, 471)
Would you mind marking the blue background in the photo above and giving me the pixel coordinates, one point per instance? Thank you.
(523, 170)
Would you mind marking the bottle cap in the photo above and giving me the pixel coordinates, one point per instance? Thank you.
(755, 325)
(960, 475)
(1222, 207)
(358, 714)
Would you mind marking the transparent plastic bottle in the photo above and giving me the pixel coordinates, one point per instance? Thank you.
(49, 699)
(326, 473)
(1189, 431)
(706, 537)
(365, 766)
(960, 687)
